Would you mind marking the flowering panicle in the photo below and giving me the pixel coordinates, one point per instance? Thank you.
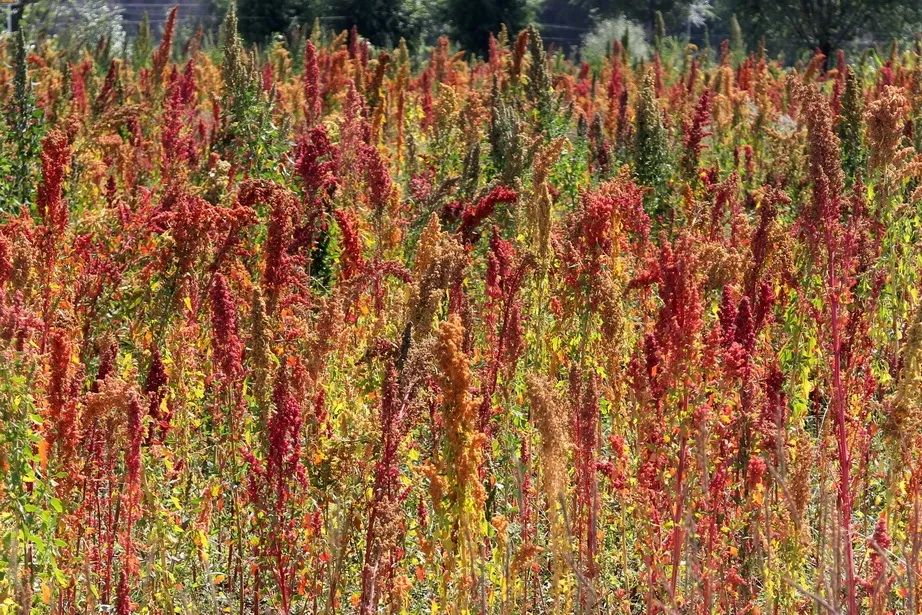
(384, 519)
(463, 442)
(838, 85)
(312, 88)
(351, 260)
(518, 54)
(494, 54)
(879, 582)
(475, 213)
(78, 75)
(774, 415)
(401, 84)
(696, 131)
(824, 228)
(680, 317)
(539, 82)
(110, 90)
(283, 458)
(353, 132)
(6, 260)
(228, 347)
(155, 387)
(50, 202)
(374, 91)
(884, 117)
(377, 178)
(135, 434)
(549, 415)
(540, 203)
(438, 263)
(616, 87)
(282, 203)
(178, 138)
(584, 400)
(850, 126)
(600, 147)
(761, 244)
(740, 350)
(316, 161)
(162, 55)
(130, 501)
(651, 150)
(524, 333)
(62, 403)
(821, 218)
(755, 473)
(191, 221)
(505, 275)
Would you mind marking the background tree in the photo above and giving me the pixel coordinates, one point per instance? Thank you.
(17, 12)
(77, 26)
(383, 22)
(564, 23)
(470, 22)
(827, 25)
(674, 12)
(260, 19)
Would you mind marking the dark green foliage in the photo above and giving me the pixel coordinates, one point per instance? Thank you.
(472, 21)
(382, 22)
(659, 16)
(566, 21)
(260, 19)
(793, 25)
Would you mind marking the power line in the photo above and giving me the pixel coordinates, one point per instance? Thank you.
(561, 27)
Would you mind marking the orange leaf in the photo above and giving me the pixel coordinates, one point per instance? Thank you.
(43, 453)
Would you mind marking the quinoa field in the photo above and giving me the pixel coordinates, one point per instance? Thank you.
(330, 328)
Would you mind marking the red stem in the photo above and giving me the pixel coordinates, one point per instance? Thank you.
(680, 503)
(838, 400)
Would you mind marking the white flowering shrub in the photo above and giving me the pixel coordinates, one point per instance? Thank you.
(597, 43)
